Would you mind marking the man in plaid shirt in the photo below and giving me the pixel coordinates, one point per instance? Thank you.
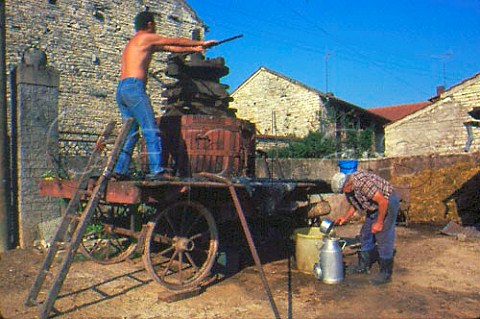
(369, 193)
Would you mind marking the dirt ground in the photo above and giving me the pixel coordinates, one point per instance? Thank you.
(435, 276)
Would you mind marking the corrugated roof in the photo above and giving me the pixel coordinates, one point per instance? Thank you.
(397, 112)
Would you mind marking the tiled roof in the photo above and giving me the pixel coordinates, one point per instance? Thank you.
(397, 112)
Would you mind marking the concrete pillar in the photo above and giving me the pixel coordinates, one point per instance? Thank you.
(37, 137)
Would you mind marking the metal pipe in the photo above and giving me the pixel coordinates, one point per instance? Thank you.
(468, 126)
(14, 220)
(469, 136)
(4, 145)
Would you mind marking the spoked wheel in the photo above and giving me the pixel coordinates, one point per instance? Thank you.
(180, 245)
(103, 241)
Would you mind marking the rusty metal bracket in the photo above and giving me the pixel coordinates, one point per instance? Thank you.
(248, 235)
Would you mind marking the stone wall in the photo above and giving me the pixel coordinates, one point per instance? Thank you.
(438, 188)
(278, 106)
(439, 128)
(83, 40)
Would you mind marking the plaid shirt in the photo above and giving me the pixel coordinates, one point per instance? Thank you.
(365, 185)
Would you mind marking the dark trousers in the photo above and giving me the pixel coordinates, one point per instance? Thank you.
(385, 239)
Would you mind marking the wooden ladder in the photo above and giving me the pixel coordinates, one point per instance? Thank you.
(75, 223)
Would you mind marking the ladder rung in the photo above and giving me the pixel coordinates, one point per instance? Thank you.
(74, 217)
(84, 192)
(48, 273)
(61, 245)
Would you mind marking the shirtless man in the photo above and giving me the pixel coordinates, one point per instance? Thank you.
(132, 98)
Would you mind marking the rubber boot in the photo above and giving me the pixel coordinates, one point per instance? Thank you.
(385, 274)
(364, 263)
(374, 257)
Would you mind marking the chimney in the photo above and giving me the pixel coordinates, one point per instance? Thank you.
(440, 89)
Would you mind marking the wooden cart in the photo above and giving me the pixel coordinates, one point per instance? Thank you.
(174, 224)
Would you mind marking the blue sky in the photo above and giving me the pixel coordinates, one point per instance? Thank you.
(371, 53)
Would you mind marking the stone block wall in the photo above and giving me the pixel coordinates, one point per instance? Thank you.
(437, 188)
(83, 40)
(439, 128)
(36, 139)
(283, 107)
(277, 106)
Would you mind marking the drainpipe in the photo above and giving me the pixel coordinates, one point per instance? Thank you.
(4, 145)
(13, 215)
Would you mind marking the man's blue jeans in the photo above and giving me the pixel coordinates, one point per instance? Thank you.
(134, 102)
(386, 238)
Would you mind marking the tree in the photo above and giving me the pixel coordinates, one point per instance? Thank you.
(358, 142)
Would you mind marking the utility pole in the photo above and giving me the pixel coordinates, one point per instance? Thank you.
(4, 143)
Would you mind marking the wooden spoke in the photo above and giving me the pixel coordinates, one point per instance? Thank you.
(180, 245)
(102, 243)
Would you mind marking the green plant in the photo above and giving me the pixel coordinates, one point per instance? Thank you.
(358, 142)
(314, 145)
(366, 140)
(94, 228)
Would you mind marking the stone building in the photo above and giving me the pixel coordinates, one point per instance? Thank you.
(74, 99)
(83, 40)
(438, 128)
(283, 107)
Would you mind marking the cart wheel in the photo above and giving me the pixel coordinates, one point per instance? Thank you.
(101, 243)
(180, 245)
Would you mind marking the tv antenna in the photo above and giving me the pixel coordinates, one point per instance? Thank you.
(328, 54)
(444, 57)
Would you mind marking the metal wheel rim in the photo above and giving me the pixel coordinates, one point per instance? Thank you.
(102, 245)
(179, 253)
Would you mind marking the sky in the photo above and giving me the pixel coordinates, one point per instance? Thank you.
(371, 53)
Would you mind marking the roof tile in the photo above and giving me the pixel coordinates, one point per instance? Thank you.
(397, 112)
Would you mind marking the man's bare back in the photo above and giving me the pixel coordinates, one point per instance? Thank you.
(136, 58)
(132, 99)
(138, 52)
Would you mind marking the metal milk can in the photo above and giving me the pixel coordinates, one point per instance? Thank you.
(331, 261)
